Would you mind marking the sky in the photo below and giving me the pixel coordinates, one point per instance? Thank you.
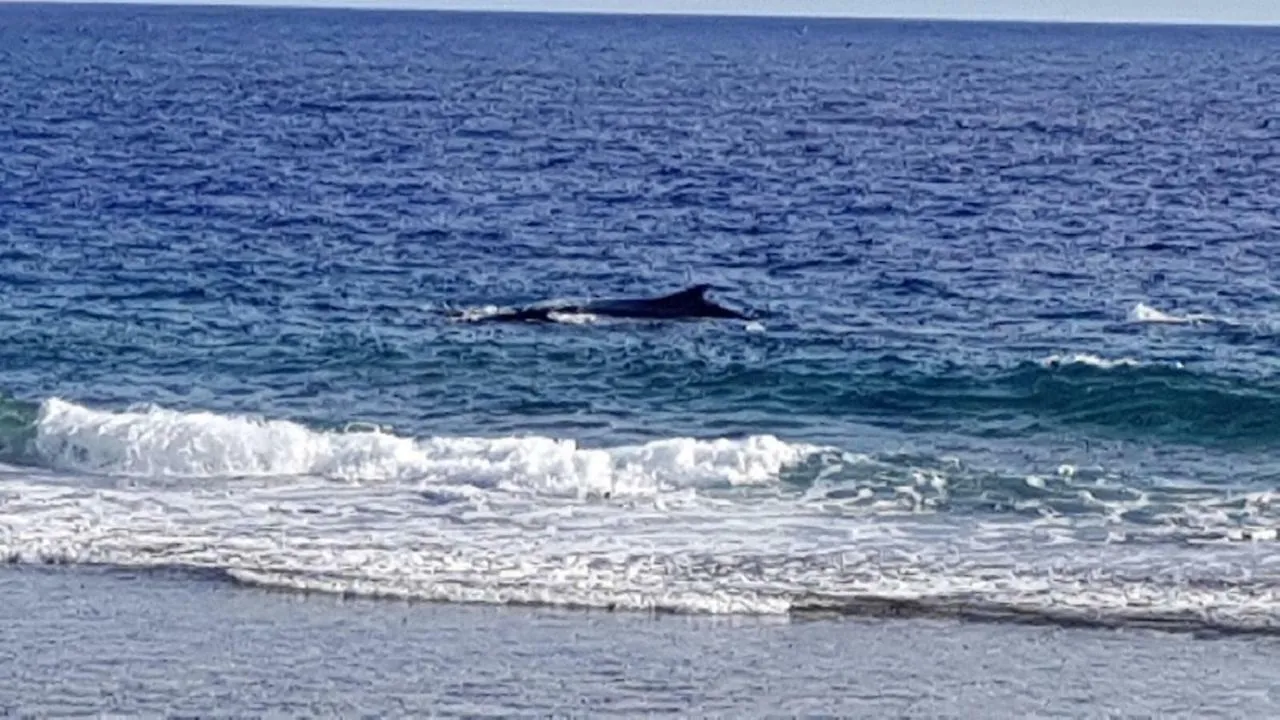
(1247, 12)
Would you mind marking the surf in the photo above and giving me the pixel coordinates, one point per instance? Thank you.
(755, 525)
(157, 442)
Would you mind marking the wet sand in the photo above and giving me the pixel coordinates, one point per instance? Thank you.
(92, 641)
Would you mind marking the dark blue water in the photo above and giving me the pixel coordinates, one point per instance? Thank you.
(1017, 353)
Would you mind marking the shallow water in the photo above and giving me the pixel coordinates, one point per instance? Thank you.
(1016, 359)
(158, 643)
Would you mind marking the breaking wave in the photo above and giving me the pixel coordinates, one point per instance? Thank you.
(159, 442)
(750, 525)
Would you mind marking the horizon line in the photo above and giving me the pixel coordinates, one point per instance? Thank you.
(501, 9)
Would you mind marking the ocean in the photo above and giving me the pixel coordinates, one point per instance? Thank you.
(1015, 361)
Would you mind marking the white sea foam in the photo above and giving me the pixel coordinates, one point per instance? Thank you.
(573, 318)
(1102, 363)
(566, 317)
(477, 313)
(1144, 313)
(527, 520)
(713, 558)
(1088, 359)
(160, 442)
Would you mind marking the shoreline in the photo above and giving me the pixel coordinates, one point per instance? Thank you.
(97, 640)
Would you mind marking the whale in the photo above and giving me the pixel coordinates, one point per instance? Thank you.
(690, 303)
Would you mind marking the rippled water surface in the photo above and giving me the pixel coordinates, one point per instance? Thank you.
(1016, 356)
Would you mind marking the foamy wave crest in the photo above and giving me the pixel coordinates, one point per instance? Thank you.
(587, 591)
(160, 442)
(1088, 359)
(1144, 313)
(1101, 363)
(1069, 547)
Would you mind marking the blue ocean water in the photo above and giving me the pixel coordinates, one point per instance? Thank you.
(1017, 356)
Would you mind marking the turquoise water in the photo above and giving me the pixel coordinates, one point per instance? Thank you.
(1016, 356)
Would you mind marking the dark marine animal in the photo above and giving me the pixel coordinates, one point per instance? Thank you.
(690, 303)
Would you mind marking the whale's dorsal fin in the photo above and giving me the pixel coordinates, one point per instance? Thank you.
(695, 293)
